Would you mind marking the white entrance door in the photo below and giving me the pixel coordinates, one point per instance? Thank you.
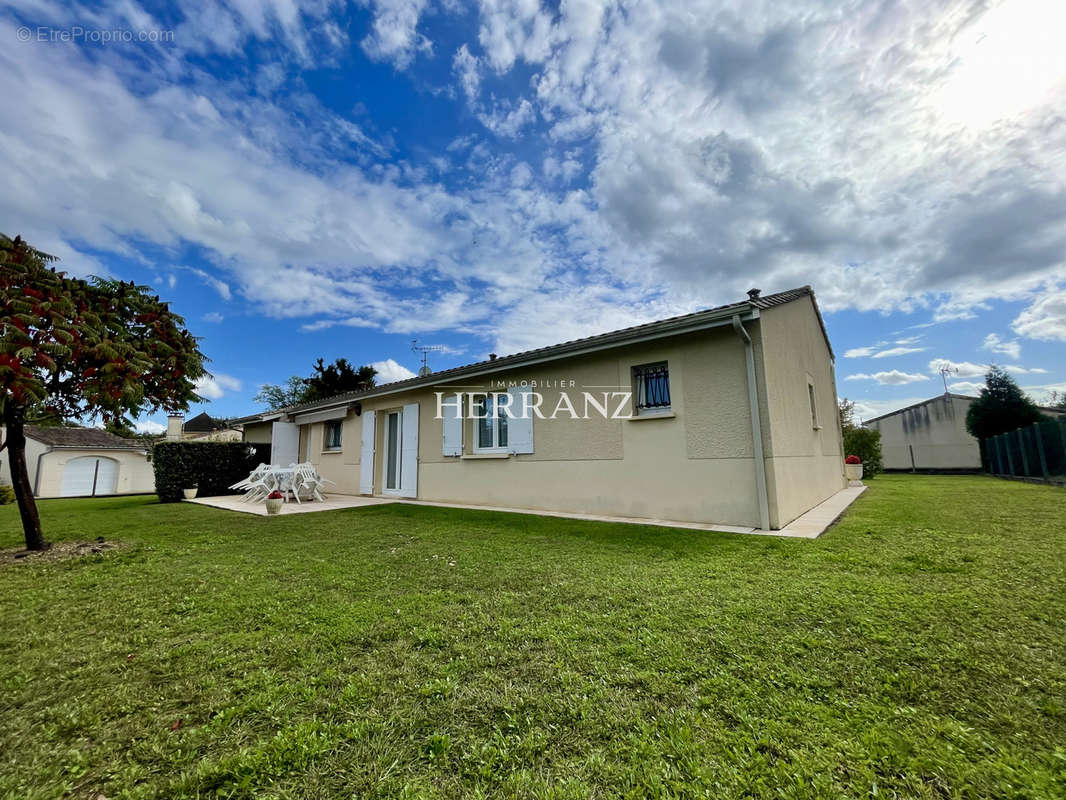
(399, 465)
(89, 475)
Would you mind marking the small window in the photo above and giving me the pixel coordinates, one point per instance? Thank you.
(814, 406)
(490, 425)
(333, 435)
(651, 388)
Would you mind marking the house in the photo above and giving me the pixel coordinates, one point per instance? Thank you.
(77, 462)
(202, 427)
(931, 435)
(723, 416)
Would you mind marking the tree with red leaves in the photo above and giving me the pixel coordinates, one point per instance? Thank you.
(82, 349)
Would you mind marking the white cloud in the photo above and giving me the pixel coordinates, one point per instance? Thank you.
(720, 144)
(898, 351)
(394, 35)
(213, 316)
(390, 371)
(348, 322)
(465, 67)
(860, 352)
(1045, 319)
(966, 387)
(891, 378)
(507, 120)
(995, 344)
(219, 286)
(149, 426)
(215, 386)
(963, 369)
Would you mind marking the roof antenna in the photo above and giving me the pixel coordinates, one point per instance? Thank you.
(425, 350)
(947, 369)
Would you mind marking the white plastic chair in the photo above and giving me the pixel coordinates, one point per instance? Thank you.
(306, 479)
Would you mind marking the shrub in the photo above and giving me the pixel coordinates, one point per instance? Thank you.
(7, 494)
(866, 445)
(210, 466)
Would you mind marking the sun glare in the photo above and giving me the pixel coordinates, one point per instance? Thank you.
(1009, 61)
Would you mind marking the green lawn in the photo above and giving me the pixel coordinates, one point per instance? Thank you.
(917, 649)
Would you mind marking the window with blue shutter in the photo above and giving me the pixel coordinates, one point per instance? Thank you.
(651, 388)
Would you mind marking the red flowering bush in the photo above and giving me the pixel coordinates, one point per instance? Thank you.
(852, 460)
(275, 495)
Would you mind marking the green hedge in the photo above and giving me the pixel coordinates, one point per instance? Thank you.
(210, 466)
(866, 444)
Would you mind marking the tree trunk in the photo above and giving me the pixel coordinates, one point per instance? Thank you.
(20, 478)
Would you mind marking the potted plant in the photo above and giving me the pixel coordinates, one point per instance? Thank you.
(190, 493)
(274, 501)
(853, 468)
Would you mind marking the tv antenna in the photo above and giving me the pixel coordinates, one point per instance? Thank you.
(945, 370)
(425, 350)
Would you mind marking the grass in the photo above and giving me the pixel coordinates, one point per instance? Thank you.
(916, 650)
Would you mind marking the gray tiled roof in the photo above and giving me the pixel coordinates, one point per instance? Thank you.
(82, 438)
(619, 337)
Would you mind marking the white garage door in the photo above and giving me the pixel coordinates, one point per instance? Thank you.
(89, 475)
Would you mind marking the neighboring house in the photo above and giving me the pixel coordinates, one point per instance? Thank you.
(202, 427)
(688, 447)
(931, 435)
(78, 462)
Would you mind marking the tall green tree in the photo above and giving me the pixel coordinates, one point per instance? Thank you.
(81, 349)
(275, 396)
(1000, 407)
(338, 378)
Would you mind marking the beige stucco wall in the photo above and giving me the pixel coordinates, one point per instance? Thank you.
(33, 450)
(936, 430)
(805, 465)
(258, 432)
(697, 465)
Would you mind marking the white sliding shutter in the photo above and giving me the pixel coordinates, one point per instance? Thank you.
(519, 431)
(409, 452)
(366, 455)
(452, 423)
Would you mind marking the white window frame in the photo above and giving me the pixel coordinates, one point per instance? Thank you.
(480, 400)
(637, 372)
(326, 446)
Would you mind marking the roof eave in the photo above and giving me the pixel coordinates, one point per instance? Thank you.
(713, 319)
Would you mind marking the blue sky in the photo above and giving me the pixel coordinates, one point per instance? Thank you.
(327, 179)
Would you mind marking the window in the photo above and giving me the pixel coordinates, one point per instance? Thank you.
(490, 423)
(333, 435)
(651, 388)
(814, 406)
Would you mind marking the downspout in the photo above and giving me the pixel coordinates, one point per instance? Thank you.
(37, 474)
(756, 425)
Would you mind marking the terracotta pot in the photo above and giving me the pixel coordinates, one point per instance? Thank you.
(853, 471)
(274, 506)
(189, 493)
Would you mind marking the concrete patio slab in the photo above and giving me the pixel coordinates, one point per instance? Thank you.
(333, 502)
(813, 524)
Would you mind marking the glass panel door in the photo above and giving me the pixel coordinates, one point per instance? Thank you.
(392, 450)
